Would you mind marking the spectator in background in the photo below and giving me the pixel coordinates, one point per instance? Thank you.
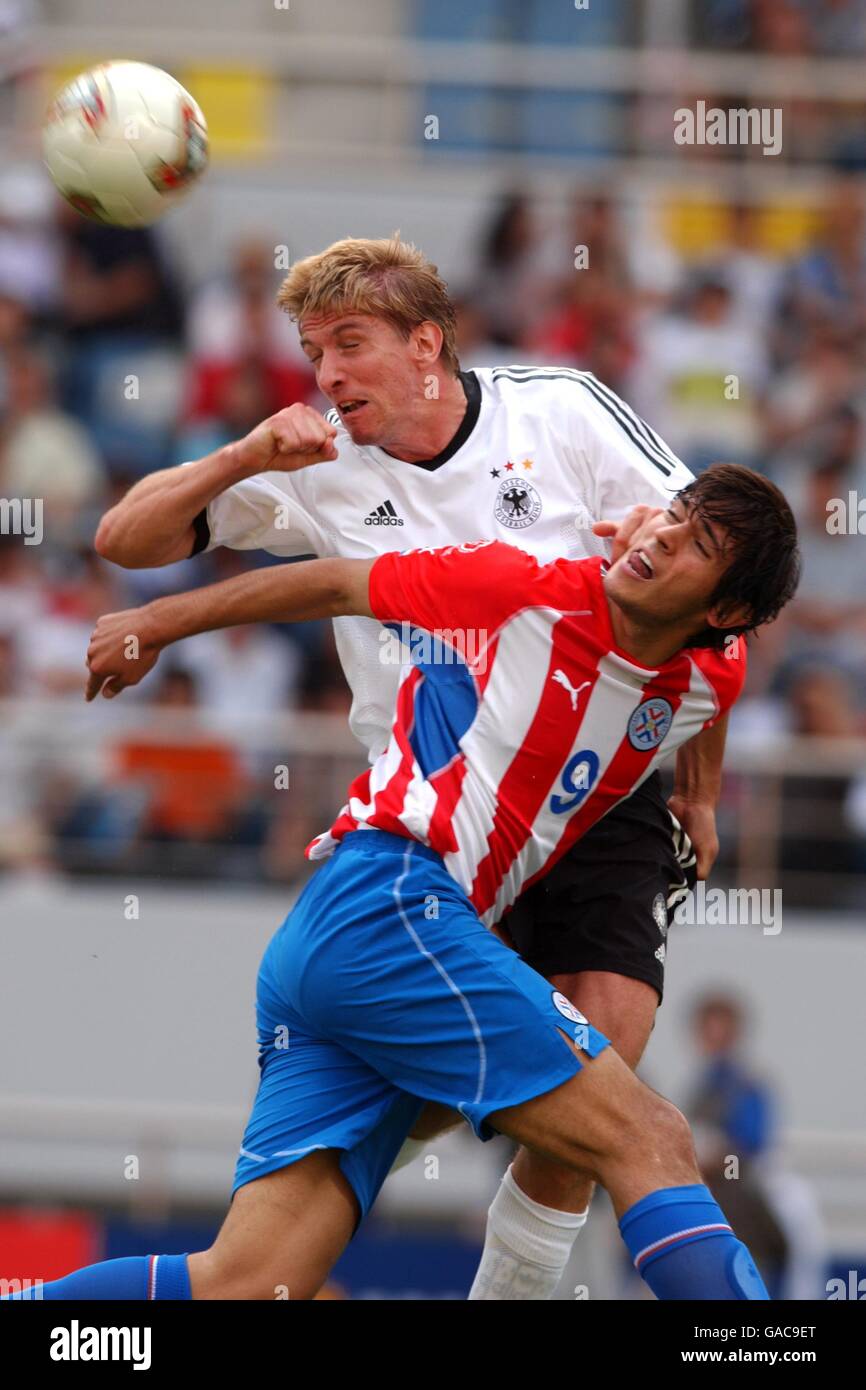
(45, 453)
(29, 251)
(24, 839)
(475, 345)
(733, 1120)
(245, 674)
(22, 588)
(114, 283)
(54, 644)
(781, 27)
(589, 325)
(701, 376)
(15, 323)
(244, 394)
(753, 276)
(235, 321)
(820, 827)
(507, 279)
(194, 785)
(120, 320)
(827, 620)
(828, 283)
(838, 27)
(809, 413)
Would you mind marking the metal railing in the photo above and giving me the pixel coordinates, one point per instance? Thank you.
(783, 815)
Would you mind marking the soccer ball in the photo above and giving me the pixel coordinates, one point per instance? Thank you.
(124, 142)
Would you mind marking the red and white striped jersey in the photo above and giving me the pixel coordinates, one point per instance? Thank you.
(519, 722)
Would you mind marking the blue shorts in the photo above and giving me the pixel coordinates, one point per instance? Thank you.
(382, 989)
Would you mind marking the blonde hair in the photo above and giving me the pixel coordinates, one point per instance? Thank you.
(388, 278)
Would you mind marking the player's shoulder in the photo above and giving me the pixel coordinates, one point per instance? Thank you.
(557, 582)
(724, 668)
(530, 387)
(581, 404)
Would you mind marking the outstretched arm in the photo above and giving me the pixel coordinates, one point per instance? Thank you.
(125, 646)
(154, 523)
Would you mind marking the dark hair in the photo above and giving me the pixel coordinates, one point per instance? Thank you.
(765, 569)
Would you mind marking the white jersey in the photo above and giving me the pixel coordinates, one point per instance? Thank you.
(541, 454)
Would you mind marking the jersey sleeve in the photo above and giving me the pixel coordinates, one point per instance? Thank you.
(619, 460)
(725, 670)
(476, 585)
(263, 513)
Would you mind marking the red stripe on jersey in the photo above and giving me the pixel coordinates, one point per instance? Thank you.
(345, 820)
(389, 801)
(521, 792)
(447, 785)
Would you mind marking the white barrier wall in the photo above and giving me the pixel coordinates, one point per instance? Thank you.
(131, 1041)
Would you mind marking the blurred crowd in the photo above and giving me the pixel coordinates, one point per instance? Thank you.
(111, 366)
(793, 28)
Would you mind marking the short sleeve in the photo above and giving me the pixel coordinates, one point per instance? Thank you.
(264, 513)
(619, 460)
(725, 670)
(478, 584)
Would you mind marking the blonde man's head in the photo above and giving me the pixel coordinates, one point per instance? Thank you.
(387, 278)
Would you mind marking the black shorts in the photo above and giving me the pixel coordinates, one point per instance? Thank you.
(606, 904)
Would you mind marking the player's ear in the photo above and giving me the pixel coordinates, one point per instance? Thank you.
(728, 616)
(427, 339)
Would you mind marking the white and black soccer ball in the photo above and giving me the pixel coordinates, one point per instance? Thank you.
(124, 142)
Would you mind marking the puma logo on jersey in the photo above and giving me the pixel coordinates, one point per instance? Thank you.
(562, 679)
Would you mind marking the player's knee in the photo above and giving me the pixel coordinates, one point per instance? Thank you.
(651, 1130)
(671, 1134)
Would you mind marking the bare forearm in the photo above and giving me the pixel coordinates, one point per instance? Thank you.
(153, 524)
(282, 594)
(698, 776)
(125, 646)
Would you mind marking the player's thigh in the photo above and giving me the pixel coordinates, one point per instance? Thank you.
(607, 1124)
(586, 1122)
(622, 1008)
(282, 1235)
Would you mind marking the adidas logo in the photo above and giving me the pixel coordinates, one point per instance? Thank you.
(383, 515)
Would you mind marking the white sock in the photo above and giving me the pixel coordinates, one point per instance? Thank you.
(526, 1248)
(411, 1149)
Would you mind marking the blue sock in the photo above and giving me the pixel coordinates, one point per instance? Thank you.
(683, 1247)
(142, 1277)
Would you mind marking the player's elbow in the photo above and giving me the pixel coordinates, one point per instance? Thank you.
(107, 542)
(114, 541)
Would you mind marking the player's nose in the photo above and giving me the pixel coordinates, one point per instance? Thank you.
(329, 378)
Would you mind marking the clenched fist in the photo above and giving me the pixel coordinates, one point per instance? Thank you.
(291, 439)
(123, 648)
